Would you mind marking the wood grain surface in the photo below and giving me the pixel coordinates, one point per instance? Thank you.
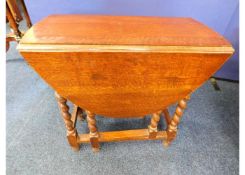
(123, 66)
(122, 30)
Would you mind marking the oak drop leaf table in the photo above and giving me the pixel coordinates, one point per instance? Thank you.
(123, 66)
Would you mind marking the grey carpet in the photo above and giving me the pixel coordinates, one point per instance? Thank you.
(207, 142)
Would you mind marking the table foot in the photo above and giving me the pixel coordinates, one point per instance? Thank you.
(75, 149)
(166, 143)
(96, 150)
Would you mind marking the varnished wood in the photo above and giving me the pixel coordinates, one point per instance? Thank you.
(152, 128)
(142, 67)
(25, 47)
(136, 84)
(9, 38)
(14, 10)
(13, 24)
(71, 130)
(74, 115)
(126, 135)
(93, 134)
(118, 66)
(172, 126)
(122, 30)
(13, 17)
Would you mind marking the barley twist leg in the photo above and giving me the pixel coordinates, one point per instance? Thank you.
(172, 126)
(152, 128)
(94, 135)
(70, 130)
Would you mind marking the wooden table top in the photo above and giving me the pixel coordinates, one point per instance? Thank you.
(122, 30)
(123, 66)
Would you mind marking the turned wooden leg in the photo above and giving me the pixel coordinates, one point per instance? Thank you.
(172, 125)
(94, 135)
(152, 128)
(70, 129)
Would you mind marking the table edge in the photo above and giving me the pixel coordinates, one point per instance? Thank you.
(123, 48)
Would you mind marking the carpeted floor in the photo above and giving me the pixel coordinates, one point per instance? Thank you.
(207, 142)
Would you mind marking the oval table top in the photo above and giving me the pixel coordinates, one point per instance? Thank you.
(123, 66)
